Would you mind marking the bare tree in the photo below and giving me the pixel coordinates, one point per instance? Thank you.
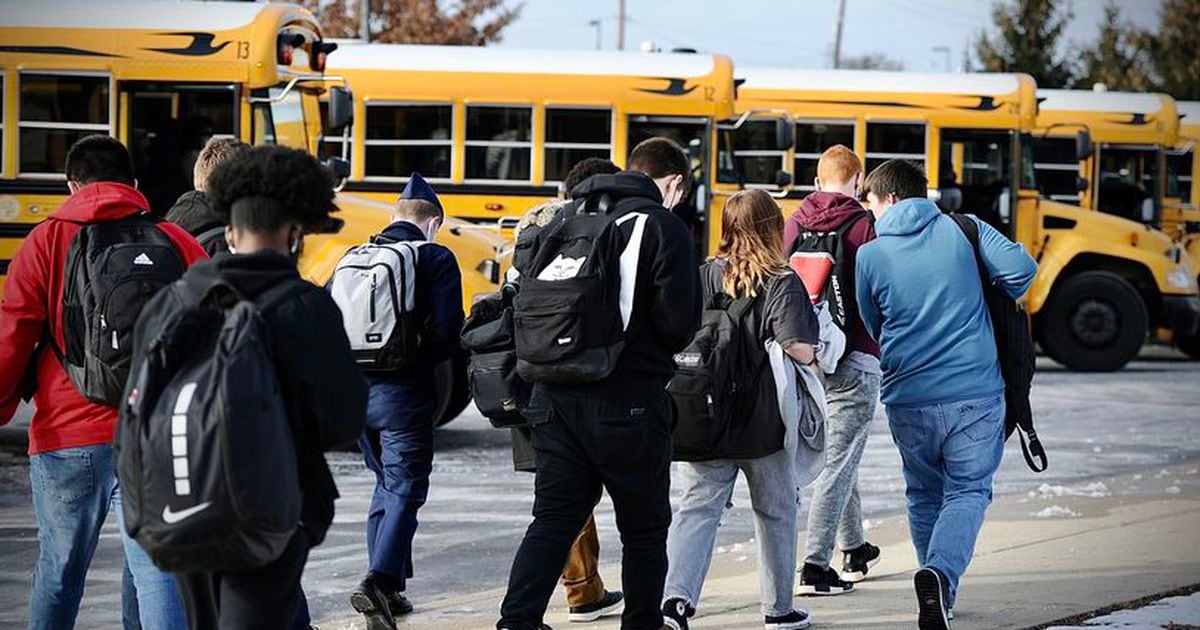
(466, 23)
(871, 61)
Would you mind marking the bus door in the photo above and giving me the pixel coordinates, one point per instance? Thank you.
(1127, 181)
(982, 163)
(692, 133)
(166, 125)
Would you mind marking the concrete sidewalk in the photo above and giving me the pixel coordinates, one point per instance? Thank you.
(1049, 554)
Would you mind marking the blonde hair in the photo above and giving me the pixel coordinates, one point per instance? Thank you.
(751, 242)
(215, 151)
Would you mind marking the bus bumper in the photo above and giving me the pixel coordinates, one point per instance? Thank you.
(1183, 315)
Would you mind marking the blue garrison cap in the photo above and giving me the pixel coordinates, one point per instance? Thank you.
(418, 188)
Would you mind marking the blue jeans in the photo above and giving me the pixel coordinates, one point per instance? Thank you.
(72, 491)
(401, 456)
(950, 453)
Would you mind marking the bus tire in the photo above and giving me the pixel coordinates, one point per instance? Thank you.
(454, 393)
(1094, 322)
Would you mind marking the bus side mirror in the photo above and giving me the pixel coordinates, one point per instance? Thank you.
(340, 169)
(1083, 145)
(1081, 184)
(341, 109)
(783, 179)
(785, 134)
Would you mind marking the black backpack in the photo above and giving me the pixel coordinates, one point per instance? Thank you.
(205, 452)
(717, 387)
(568, 313)
(1014, 347)
(819, 259)
(113, 268)
(213, 240)
(499, 393)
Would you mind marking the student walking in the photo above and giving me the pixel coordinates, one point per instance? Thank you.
(587, 599)
(599, 412)
(400, 352)
(193, 211)
(920, 296)
(268, 196)
(829, 227)
(59, 334)
(749, 282)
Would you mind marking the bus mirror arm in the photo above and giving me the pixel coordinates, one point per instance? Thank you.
(1083, 145)
(291, 84)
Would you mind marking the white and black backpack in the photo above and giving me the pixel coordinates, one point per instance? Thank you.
(375, 287)
(577, 282)
(113, 268)
(205, 451)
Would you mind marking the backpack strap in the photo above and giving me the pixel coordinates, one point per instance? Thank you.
(1031, 446)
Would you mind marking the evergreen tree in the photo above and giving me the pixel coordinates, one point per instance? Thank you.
(1174, 51)
(1026, 40)
(1117, 60)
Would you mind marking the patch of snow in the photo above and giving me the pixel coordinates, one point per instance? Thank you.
(1172, 490)
(1055, 511)
(1181, 610)
(1097, 449)
(1137, 477)
(1095, 489)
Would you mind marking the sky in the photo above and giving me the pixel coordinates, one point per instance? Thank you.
(792, 33)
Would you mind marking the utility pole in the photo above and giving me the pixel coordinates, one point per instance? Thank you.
(364, 20)
(839, 15)
(620, 24)
(596, 23)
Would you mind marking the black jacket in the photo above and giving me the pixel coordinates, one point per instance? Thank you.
(666, 298)
(322, 387)
(193, 212)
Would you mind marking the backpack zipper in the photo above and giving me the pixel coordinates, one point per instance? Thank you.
(373, 283)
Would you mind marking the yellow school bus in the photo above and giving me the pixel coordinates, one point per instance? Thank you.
(1123, 173)
(163, 77)
(497, 130)
(1102, 281)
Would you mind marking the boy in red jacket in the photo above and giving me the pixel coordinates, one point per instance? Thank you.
(71, 466)
(852, 390)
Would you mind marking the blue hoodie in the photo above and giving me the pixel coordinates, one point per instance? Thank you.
(919, 295)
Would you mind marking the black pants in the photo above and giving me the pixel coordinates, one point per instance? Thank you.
(268, 597)
(615, 438)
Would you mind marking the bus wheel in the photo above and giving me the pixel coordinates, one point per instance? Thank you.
(1095, 322)
(454, 393)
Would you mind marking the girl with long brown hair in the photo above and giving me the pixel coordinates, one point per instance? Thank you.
(748, 276)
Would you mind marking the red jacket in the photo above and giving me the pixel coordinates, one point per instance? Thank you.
(33, 296)
(824, 211)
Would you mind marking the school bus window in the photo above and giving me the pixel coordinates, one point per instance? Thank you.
(1056, 168)
(401, 139)
(976, 174)
(754, 155)
(1128, 182)
(1179, 175)
(812, 138)
(499, 143)
(891, 141)
(573, 135)
(55, 111)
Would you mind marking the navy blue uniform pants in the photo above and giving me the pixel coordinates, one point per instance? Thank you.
(397, 446)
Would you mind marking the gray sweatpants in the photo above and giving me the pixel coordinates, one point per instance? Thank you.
(707, 488)
(836, 510)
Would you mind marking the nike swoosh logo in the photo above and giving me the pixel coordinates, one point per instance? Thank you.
(174, 517)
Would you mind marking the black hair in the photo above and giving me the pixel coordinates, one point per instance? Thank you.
(271, 185)
(901, 178)
(659, 157)
(99, 158)
(585, 168)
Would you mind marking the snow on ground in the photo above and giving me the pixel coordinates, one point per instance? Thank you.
(1181, 610)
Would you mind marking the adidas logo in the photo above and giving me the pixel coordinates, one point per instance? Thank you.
(143, 259)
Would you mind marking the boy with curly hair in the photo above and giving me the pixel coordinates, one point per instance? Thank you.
(270, 197)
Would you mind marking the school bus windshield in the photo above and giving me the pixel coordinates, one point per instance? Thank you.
(281, 121)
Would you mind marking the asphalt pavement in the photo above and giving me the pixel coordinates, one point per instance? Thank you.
(1142, 420)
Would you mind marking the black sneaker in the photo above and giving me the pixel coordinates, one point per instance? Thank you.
(675, 613)
(817, 581)
(857, 562)
(612, 603)
(931, 591)
(399, 604)
(372, 602)
(794, 620)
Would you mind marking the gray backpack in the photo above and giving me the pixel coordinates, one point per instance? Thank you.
(375, 285)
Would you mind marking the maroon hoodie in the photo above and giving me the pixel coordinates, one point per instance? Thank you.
(825, 211)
